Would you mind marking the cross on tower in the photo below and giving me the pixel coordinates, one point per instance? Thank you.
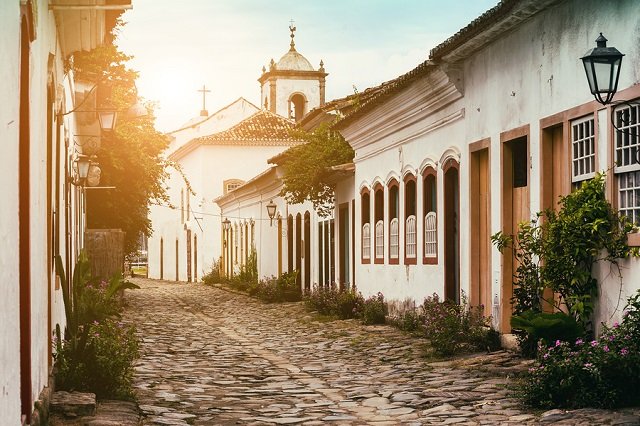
(204, 91)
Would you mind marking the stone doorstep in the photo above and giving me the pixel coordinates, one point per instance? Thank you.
(73, 404)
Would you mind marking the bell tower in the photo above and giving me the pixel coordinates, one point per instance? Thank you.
(291, 87)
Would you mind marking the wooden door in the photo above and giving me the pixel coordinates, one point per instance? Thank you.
(480, 294)
(515, 207)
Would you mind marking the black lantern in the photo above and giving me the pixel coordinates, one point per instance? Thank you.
(226, 224)
(107, 119)
(271, 211)
(602, 66)
(83, 163)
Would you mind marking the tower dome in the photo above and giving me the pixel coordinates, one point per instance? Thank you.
(293, 61)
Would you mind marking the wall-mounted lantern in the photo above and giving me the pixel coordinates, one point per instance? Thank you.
(602, 66)
(271, 211)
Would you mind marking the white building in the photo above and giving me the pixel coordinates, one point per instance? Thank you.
(215, 155)
(482, 135)
(42, 214)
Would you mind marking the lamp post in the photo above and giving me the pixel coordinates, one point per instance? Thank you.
(602, 66)
(107, 119)
(271, 211)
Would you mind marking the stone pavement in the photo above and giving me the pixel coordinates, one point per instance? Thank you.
(211, 356)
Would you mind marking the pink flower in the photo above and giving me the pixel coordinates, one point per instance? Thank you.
(579, 342)
(558, 343)
(605, 348)
(624, 351)
(616, 325)
(594, 344)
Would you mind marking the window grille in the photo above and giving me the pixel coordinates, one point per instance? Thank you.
(393, 238)
(366, 241)
(583, 148)
(379, 240)
(410, 238)
(430, 235)
(627, 169)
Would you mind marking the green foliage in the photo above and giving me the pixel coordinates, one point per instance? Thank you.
(130, 158)
(104, 366)
(547, 326)
(374, 310)
(276, 290)
(330, 301)
(306, 167)
(213, 276)
(603, 373)
(91, 340)
(559, 249)
(453, 328)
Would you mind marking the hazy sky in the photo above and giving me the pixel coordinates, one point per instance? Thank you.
(180, 45)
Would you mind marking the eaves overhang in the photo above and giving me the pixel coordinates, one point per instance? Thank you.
(84, 25)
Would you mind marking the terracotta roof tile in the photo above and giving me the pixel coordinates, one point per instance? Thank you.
(263, 127)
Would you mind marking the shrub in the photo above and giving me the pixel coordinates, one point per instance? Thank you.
(374, 310)
(324, 300)
(453, 328)
(349, 304)
(599, 373)
(560, 252)
(105, 366)
(281, 289)
(96, 353)
(213, 276)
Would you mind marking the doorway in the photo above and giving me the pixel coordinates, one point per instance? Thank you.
(451, 234)
(515, 209)
(343, 250)
(480, 230)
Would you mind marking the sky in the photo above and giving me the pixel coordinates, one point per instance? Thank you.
(179, 46)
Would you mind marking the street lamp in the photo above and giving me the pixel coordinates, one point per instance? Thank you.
(602, 66)
(271, 211)
(226, 224)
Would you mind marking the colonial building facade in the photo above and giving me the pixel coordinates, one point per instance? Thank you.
(43, 203)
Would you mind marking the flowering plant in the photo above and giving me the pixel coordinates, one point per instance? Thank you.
(599, 373)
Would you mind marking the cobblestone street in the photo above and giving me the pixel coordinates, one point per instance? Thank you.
(211, 356)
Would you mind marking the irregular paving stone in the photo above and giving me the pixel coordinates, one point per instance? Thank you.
(220, 357)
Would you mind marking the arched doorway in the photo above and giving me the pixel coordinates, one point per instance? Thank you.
(451, 231)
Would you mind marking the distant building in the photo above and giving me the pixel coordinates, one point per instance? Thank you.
(215, 155)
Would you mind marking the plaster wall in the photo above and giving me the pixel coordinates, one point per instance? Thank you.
(9, 125)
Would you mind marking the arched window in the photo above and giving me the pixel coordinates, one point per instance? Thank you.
(394, 226)
(365, 221)
(378, 207)
(430, 207)
(297, 104)
(410, 233)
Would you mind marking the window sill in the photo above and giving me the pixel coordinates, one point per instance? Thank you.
(633, 239)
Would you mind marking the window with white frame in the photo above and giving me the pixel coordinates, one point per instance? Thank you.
(393, 238)
(366, 241)
(380, 239)
(583, 149)
(627, 168)
(410, 242)
(430, 235)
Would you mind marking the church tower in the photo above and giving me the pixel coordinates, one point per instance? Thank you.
(291, 87)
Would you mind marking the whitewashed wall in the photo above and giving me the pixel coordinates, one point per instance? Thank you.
(9, 303)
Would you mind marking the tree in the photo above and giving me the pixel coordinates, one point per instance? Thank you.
(130, 157)
(306, 167)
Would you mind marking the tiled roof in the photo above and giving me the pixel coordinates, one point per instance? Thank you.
(381, 93)
(262, 128)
